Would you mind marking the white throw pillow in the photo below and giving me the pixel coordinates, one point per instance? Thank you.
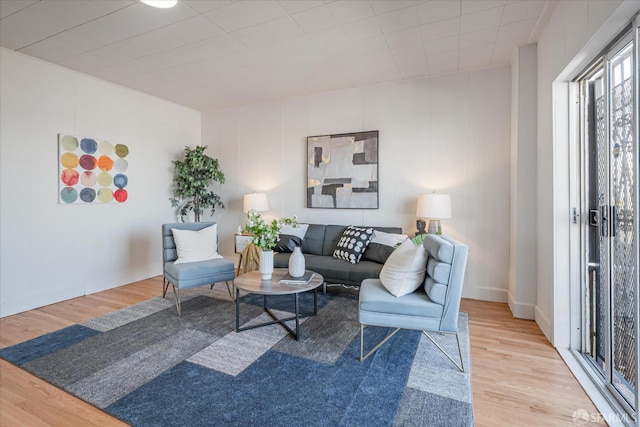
(196, 245)
(404, 270)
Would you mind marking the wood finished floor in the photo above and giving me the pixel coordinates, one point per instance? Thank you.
(518, 378)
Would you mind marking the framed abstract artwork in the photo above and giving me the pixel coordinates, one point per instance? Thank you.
(342, 171)
(91, 170)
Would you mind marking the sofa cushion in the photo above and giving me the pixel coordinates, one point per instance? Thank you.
(332, 236)
(381, 246)
(314, 239)
(333, 269)
(333, 233)
(405, 269)
(353, 243)
(363, 270)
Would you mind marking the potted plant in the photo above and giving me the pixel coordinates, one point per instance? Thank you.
(264, 236)
(191, 181)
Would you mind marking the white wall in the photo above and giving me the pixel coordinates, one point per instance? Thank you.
(522, 259)
(575, 34)
(50, 252)
(449, 134)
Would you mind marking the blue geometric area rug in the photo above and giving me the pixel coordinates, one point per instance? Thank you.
(149, 367)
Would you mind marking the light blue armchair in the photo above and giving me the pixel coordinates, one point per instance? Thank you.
(191, 274)
(433, 307)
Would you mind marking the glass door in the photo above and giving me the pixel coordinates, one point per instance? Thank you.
(623, 260)
(609, 120)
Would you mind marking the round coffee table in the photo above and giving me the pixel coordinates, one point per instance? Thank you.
(252, 283)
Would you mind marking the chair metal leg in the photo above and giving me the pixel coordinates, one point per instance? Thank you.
(459, 366)
(384, 340)
(176, 294)
(165, 286)
(230, 289)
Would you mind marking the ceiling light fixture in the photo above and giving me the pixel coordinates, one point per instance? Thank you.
(163, 4)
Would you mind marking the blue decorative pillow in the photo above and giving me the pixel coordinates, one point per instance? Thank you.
(353, 243)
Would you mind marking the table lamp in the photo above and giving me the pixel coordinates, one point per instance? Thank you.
(255, 201)
(433, 207)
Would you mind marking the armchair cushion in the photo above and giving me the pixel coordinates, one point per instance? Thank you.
(438, 270)
(439, 248)
(415, 310)
(191, 274)
(436, 291)
(404, 270)
(196, 245)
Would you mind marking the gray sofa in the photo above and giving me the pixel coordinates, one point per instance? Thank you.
(317, 247)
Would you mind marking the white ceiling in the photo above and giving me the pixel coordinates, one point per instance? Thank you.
(209, 54)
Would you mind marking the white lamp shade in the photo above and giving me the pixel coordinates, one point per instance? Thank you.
(434, 206)
(255, 201)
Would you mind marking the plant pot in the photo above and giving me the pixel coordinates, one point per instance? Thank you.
(296, 263)
(266, 264)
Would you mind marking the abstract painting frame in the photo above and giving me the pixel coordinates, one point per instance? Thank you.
(342, 171)
(91, 170)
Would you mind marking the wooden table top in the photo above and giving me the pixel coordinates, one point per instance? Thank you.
(252, 282)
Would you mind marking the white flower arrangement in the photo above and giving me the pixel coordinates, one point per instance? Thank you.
(265, 235)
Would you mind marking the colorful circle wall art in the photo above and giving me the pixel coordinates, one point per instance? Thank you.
(91, 170)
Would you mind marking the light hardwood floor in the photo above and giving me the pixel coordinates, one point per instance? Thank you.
(518, 378)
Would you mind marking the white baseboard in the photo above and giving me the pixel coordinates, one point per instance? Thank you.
(485, 294)
(521, 310)
(544, 324)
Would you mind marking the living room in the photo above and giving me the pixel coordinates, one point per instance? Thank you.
(490, 136)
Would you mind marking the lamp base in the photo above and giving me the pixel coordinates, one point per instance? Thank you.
(434, 227)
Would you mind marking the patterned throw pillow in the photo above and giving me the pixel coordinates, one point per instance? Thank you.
(352, 244)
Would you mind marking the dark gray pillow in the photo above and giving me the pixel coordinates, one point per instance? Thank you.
(381, 246)
(353, 243)
(290, 237)
(287, 243)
